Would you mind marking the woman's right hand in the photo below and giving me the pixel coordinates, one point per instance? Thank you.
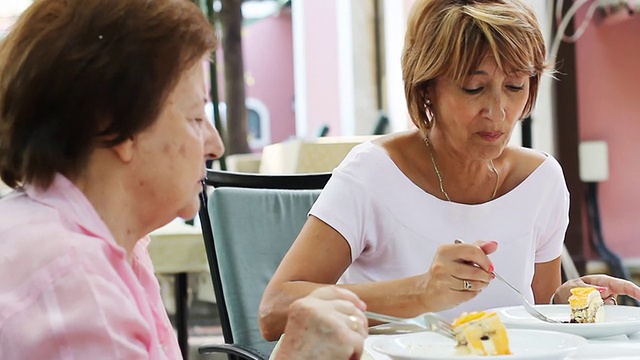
(457, 274)
(329, 323)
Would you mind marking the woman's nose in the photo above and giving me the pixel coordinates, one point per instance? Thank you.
(213, 146)
(495, 108)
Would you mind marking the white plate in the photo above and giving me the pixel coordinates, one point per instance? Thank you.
(601, 350)
(618, 320)
(524, 345)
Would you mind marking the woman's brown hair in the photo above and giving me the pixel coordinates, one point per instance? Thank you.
(76, 74)
(450, 38)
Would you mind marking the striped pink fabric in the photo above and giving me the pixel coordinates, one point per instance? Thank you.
(67, 290)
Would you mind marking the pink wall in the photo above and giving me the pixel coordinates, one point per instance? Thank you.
(321, 54)
(268, 51)
(608, 81)
(267, 47)
(268, 56)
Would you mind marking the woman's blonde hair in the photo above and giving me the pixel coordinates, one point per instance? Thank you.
(450, 38)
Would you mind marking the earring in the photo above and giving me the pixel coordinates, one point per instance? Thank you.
(430, 117)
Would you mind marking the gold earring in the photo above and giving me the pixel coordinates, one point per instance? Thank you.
(428, 111)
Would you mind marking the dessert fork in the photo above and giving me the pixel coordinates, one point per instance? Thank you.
(527, 305)
(427, 321)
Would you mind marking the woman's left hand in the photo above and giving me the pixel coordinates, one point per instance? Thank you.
(609, 287)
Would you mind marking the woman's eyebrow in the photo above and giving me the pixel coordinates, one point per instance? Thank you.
(479, 72)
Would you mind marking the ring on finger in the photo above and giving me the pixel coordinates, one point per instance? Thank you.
(466, 285)
(612, 298)
(354, 322)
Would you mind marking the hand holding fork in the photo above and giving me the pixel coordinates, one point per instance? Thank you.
(527, 305)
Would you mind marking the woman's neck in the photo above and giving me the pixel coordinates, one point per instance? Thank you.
(118, 208)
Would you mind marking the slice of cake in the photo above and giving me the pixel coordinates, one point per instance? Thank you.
(586, 305)
(481, 333)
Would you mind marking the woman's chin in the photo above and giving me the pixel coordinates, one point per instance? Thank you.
(190, 210)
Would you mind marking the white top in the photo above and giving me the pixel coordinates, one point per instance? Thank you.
(394, 227)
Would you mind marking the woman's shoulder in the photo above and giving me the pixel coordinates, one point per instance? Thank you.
(395, 141)
(368, 165)
(366, 155)
(525, 161)
(520, 163)
(402, 149)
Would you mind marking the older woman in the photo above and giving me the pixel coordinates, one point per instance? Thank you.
(104, 137)
(385, 225)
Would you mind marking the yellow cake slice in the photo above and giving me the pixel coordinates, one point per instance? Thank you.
(586, 305)
(480, 333)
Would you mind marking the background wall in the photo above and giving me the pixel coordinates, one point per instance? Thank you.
(268, 55)
(267, 47)
(608, 81)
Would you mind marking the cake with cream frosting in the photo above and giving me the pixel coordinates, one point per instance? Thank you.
(586, 305)
(480, 333)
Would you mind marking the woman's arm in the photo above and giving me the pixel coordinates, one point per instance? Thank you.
(546, 280)
(320, 255)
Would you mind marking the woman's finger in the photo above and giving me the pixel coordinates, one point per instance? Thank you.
(613, 285)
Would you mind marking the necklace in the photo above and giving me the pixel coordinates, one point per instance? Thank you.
(439, 176)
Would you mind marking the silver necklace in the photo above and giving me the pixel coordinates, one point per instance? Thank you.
(439, 176)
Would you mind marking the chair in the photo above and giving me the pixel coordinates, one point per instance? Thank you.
(569, 268)
(248, 223)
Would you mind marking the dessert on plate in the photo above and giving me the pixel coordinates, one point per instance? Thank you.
(586, 305)
(480, 333)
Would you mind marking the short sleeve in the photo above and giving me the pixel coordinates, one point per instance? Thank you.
(344, 205)
(350, 202)
(552, 233)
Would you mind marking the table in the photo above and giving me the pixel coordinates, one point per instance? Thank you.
(299, 156)
(612, 348)
(178, 249)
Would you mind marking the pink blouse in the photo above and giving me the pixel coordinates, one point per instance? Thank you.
(66, 288)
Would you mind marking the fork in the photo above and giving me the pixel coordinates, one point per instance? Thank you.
(527, 305)
(428, 321)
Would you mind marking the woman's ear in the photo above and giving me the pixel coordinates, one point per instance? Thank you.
(427, 93)
(124, 150)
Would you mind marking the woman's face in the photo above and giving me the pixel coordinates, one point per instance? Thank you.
(172, 152)
(475, 120)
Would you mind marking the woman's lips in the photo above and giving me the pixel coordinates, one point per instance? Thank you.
(490, 135)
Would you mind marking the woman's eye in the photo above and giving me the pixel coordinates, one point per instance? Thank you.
(198, 119)
(472, 91)
(515, 88)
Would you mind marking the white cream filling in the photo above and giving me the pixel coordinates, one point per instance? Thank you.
(593, 312)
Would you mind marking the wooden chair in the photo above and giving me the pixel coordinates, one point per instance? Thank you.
(248, 224)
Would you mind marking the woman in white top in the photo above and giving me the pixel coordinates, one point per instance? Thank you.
(386, 223)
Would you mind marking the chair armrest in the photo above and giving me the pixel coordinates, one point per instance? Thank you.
(244, 352)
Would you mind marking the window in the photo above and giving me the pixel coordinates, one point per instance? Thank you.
(258, 122)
